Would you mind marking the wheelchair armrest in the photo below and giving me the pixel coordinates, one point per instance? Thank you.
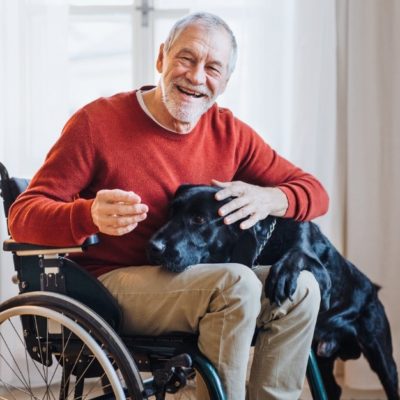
(26, 249)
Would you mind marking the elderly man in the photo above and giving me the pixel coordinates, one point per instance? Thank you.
(113, 171)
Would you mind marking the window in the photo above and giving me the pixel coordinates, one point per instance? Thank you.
(112, 46)
(99, 52)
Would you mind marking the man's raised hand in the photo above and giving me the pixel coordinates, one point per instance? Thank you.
(117, 212)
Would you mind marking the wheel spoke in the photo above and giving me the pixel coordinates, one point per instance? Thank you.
(80, 349)
(82, 375)
(100, 379)
(39, 347)
(62, 361)
(27, 356)
(19, 376)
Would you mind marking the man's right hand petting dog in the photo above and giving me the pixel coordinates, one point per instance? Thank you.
(352, 320)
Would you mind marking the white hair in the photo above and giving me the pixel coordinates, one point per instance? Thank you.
(208, 20)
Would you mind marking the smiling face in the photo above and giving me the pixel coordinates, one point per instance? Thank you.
(194, 71)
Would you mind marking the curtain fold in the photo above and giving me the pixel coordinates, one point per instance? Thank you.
(285, 87)
(370, 88)
(33, 58)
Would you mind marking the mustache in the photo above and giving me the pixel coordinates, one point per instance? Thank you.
(195, 88)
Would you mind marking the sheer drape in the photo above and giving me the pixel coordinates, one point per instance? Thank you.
(33, 56)
(370, 121)
(322, 84)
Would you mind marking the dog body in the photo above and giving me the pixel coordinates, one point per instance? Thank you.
(352, 320)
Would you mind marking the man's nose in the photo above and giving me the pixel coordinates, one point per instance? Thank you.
(196, 75)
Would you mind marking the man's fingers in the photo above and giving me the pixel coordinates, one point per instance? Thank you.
(117, 212)
(113, 231)
(119, 222)
(219, 183)
(222, 194)
(116, 221)
(118, 196)
(248, 223)
(231, 189)
(124, 209)
(250, 203)
(233, 205)
(239, 214)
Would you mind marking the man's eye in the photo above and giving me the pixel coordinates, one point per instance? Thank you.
(186, 59)
(198, 220)
(214, 69)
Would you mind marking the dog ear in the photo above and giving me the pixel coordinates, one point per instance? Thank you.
(251, 242)
(182, 188)
(245, 250)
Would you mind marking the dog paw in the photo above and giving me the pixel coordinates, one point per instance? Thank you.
(281, 283)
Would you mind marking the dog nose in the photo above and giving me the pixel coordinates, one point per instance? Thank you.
(157, 246)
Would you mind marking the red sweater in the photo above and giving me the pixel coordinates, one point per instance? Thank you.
(112, 143)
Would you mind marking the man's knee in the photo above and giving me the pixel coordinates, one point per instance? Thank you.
(243, 278)
(239, 288)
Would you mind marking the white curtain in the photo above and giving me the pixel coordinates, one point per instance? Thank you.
(321, 82)
(33, 67)
(369, 117)
(318, 79)
(33, 62)
(285, 86)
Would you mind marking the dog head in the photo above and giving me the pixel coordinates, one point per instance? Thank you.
(195, 233)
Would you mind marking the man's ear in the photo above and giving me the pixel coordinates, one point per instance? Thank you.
(246, 249)
(160, 58)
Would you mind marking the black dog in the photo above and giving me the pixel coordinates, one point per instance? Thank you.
(351, 321)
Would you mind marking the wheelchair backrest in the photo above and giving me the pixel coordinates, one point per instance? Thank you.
(77, 282)
(10, 188)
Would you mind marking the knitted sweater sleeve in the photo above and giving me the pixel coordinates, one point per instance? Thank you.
(260, 164)
(52, 211)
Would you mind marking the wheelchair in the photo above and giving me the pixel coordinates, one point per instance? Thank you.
(60, 337)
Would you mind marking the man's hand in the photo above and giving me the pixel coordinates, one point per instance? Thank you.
(117, 212)
(251, 201)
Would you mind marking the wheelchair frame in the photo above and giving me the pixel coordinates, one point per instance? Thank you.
(55, 291)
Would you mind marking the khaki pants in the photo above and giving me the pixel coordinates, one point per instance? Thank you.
(222, 303)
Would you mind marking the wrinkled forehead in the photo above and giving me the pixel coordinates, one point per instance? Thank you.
(213, 42)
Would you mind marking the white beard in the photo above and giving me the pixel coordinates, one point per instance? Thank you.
(189, 113)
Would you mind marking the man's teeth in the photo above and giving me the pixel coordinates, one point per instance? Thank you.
(190, 92)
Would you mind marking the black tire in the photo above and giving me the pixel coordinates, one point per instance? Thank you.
(56, 330)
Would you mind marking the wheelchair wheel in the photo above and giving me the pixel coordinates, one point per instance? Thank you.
(53, 347)
(205, 373)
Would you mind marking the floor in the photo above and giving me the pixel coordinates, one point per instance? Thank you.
(352, 394)
(348, 394)
(189, 393)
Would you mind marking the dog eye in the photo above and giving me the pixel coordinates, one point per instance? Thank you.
(198, 220)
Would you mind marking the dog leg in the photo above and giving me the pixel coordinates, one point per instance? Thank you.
(326, 367)
(376, 345)
(282, 279)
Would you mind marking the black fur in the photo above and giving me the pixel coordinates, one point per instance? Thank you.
(352, 320)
